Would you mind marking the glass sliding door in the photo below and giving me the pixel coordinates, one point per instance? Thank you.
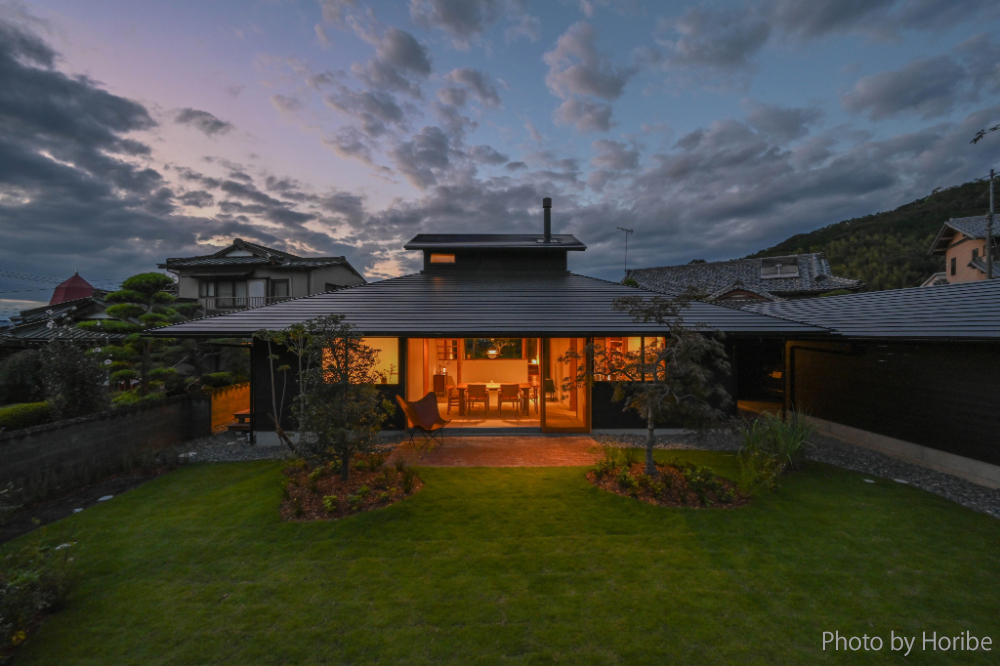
(565, 403)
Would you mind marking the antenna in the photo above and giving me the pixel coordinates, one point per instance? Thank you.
(629, 231)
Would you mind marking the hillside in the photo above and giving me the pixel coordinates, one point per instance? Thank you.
(889, 250)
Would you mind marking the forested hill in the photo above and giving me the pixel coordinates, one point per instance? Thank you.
(889, 250)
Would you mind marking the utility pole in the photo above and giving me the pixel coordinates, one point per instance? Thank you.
(989, 234)
(629, 231)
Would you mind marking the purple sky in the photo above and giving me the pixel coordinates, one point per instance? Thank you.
(133, 131)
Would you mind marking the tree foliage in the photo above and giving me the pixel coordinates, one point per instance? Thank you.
(889, 250)
(338, 409)
(20, 377)
(74, 380)
(676, 380)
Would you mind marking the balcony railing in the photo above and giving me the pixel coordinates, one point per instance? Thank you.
(213, 305)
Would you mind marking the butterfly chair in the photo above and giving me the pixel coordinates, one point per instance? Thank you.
(423, 415)
(509, 393)
(477, 393)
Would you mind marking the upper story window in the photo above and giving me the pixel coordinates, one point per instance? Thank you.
(954, 265)
(442, 258)
(222, 288)
(279, 288)
(975, 253)
(779, 267)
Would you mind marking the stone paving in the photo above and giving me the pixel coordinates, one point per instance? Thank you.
(506, 451)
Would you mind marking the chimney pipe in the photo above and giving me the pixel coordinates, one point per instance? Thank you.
(547, 207)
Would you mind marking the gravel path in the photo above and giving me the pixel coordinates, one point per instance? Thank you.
(855, 458)
(227, 447)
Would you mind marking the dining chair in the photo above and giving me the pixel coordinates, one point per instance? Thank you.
(454, 397)
(509, 393)
(550, 389)
(533, 396)
(477, 393)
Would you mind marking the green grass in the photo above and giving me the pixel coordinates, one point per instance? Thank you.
(519, 566)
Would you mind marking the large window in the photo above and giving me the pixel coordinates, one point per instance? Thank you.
(493, 348)
(227, 293)
(279, 288)
(610, 353)
(388, 358)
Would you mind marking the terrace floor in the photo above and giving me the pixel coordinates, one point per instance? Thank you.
(505, 451)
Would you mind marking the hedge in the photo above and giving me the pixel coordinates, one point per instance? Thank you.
(25, 415)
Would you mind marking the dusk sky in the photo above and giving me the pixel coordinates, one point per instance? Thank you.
(135, 131)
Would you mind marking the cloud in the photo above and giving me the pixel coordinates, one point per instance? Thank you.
(820, 17)
(533, 132)
(196, 199)
(423, 157)
(721, 41)
(375, 110)
(487, 155)
(464, 20)
(285, 103)
(614, 155)
(399, 58)
(927, 87)
(516, 166)
(584, 114)
(576, 67)
(480, 84)
(453, 96)
(780, 123)
(203, 121)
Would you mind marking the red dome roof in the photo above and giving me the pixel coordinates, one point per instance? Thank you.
(72, 289)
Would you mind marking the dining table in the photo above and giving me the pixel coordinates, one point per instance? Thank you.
(525, 388)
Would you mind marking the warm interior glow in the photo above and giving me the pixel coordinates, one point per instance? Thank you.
(442, 258)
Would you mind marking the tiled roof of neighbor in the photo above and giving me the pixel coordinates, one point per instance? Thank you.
(71, 289)
(471, 304)
(969, 310)
(973, 227)
(493, 242)
(980, 264)
(721, 276)
(261, 256)
(32, 326)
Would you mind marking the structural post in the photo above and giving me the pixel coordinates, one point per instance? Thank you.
(989, 234)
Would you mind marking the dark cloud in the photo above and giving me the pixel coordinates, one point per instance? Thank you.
(197, 199)
(577, 68)
(516, 166)
(464, 20)
(203, 121)
(780, 123)
(584, 114)
(614, 155)
(453, 96)
(375, 110)
(399, 58)
(819, 17)
(487, 155)
(927, 87)
(723, 41)
(480, 84)
(423, 157)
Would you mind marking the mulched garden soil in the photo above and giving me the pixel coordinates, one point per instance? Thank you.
(678, 492)
(305, 497)
(37, 515)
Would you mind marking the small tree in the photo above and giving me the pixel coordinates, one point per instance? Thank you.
(20, 377)
(339, 407)
(674, 380)
(73, 380)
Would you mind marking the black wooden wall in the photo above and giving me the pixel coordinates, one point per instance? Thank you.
(944, 395)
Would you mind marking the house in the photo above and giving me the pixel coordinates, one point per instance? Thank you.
(489, 310)
(912, 372)
(73, 301)
(739, 282)
(247, 275)
(962, 243)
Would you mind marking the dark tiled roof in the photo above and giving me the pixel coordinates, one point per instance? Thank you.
(39, 332)
(262, 256)
(493, 242)
(721, 276)
(549, 303)
(973, 227)
(970, 310)
(979, 263)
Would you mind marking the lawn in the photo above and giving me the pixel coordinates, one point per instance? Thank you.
(520, 566)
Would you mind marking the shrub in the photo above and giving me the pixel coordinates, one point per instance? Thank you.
(132, 398)
(363, 491)
(73, 380)
(25, 415)
(771, 446)
(331, 503)
(20, 378)
(383, 496)
(218, 379)
(376, 459)
(355, 501)
(125, 375)
(34, 579)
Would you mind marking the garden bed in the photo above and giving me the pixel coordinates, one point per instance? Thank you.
(677, 484)
(316, 492)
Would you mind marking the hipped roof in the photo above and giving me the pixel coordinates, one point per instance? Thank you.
(477, 304)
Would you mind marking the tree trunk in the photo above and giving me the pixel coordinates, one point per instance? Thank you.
(144, 390)
(650, 443)
(345, 466)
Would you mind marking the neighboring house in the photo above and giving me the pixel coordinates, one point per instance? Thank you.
(740, 282)
(72, 301)
(962, 243)
(912, 372)
(487, 311)
(246, 275)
